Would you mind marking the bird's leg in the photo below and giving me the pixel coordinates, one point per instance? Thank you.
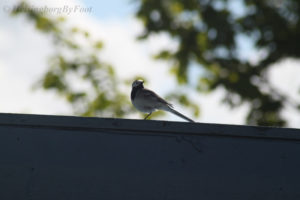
(148, 116)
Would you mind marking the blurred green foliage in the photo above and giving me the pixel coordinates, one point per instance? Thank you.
(75, 71)
(207, 33)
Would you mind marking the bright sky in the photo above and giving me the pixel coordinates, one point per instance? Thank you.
(24, 52)
(113, 9)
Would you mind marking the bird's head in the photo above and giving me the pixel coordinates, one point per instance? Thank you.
(137, 83)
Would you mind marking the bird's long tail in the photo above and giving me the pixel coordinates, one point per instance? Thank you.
(169, 109)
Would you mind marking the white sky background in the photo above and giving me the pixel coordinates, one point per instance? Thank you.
(24, 53)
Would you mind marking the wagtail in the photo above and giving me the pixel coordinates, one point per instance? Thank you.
(148, 101)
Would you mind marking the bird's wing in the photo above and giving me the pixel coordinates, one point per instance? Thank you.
(153, 98)
(150, 95)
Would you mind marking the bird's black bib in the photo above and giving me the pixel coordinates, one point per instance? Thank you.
(134, 91)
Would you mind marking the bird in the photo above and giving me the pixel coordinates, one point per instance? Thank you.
(148, 101)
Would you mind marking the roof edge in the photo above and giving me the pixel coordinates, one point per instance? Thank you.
(142, 127)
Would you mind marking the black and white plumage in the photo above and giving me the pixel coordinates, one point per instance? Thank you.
(148, 101)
